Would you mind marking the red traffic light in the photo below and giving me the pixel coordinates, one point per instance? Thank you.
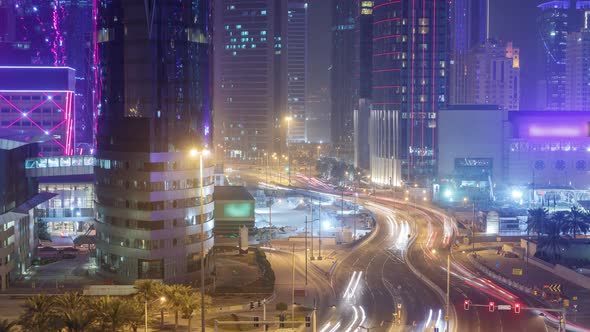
(491, 306)
(466, 304)
(517, 308)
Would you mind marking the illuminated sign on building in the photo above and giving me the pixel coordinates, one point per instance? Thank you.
(238, 210)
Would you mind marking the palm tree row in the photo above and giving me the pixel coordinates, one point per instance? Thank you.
(550, 228)
(73, 312)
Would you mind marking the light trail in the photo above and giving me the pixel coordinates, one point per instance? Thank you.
(355, 318)
(336, 327)
(353, 290)
(326, 327)
(349, 284)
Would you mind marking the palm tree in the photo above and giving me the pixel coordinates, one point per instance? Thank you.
(553, 244)
(173, 294)
(189, 302)
(136, 312)
(112, 313)
(536, 221)
(148, 288)
(74, 312)
(39, 314)
(7, 326)
(575, 221)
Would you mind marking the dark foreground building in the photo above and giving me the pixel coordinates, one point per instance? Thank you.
(155, 74)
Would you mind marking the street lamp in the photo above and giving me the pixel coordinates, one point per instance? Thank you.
(203, 153)
(161, 299)
(288, 119)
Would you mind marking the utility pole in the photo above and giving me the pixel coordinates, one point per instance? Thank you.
(270, 220)
(293, 285)
(448, 286)
(305, 250)
(473, 228)
(319, 227)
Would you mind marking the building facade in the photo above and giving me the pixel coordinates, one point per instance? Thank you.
(363, 78)
(250, 77)
(40, 99)
(577, 91)
(553, 21)
(155, 70)
(410, 71)
(470, 28)
(493, 77)
(344, 90)
(18, 197)
(296, 48)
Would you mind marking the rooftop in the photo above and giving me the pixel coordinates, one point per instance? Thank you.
(231, 193)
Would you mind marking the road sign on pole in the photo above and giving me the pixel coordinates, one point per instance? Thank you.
(516, 272)
(504, 307)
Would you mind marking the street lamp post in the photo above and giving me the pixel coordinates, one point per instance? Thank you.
(289, 119)
(201, 154)
(161, 299)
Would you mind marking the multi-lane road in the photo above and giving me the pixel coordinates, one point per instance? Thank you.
(402, 268)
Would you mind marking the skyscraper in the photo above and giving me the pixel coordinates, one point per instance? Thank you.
(155, 72)
(296, 48)
(493, 77)
(553, 29)
(363, 77)
(250, 77)
(469, 26)
(410, 70)
(577, 90)
(344, 91)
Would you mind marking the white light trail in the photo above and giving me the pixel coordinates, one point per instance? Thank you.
(349, 284)
(336, 327)
(356, 317)
(356, 284)
(326, 327)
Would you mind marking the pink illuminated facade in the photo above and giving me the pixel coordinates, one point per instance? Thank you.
(40, 98)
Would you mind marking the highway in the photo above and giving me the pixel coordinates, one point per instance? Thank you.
(403, 265)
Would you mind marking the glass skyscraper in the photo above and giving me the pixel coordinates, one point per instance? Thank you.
(154, 67)
(410, 70)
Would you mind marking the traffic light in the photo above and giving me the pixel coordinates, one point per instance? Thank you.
(259, 304)
(307, 321)
(491, 306)
(517, 308)
(251, 305)
(466, 304)
(256, 320)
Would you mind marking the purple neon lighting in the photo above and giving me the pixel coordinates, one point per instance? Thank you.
(386, 70)
(386, 53)
(550, 130)
(386, 37)
(387, 20)
(96, 96)
(68, 120)
(386, 4)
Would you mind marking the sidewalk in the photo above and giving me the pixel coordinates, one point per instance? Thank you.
(535, 278)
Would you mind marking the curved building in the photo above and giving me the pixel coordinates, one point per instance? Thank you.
(154, 70)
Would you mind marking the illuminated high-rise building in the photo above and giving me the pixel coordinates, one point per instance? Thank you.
(296, 48)
(251, 77)
(410, 70)
(470, 28)
(343, 88)
(493, 77)
(577, 89)
(155, 71)
(553, 22)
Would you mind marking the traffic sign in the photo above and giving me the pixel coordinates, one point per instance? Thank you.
(566, 303)
(556, 288)
(575, 298)
(446, 318)
(516, 272)
(504, 307)
(399, 305)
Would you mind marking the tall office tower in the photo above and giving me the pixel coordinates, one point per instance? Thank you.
(553, 29)
(250, 77)
(344, 92)
(410, 47)
(155, 72)
(470, 28)
(577, 90)
(363, 75)
(297, 70)
(494, 75)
